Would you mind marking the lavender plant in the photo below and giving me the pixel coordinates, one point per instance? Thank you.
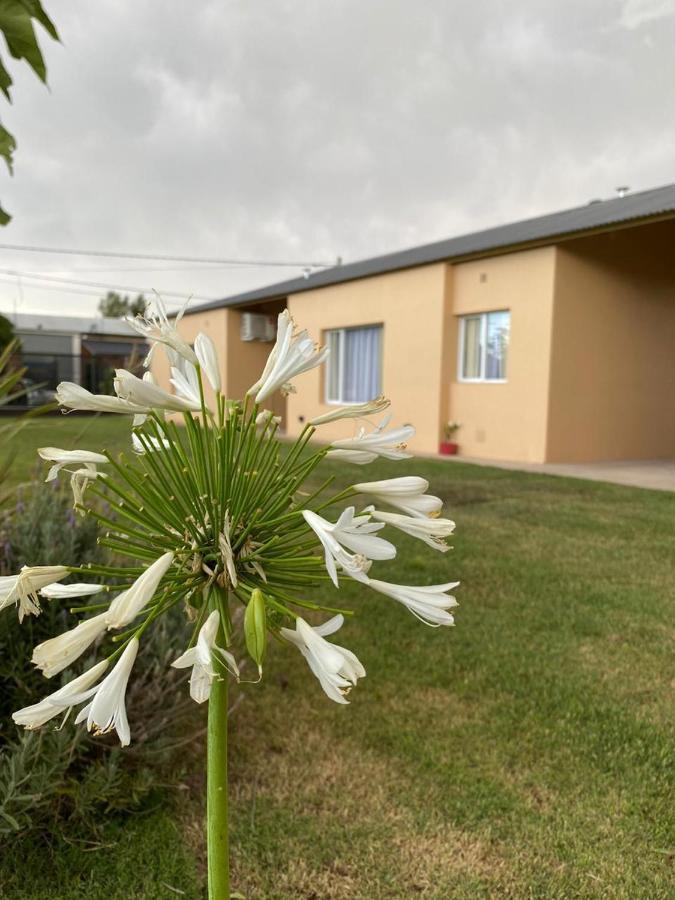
(212, 517)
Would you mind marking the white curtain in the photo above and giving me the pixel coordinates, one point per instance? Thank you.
(361, 379)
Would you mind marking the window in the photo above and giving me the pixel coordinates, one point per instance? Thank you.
(353, 373)
(483, 346)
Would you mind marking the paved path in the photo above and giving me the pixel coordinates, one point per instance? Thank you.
(658, 474)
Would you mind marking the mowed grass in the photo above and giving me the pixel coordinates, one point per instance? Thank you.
(527, 752)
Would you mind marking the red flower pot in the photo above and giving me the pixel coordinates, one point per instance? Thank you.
(448, 448)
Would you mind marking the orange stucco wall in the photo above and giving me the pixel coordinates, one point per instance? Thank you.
(410, 307)
(508, 420)
(612, 392)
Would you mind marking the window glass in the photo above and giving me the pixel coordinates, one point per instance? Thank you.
(496, 345)
(355, 364)
(471, 362)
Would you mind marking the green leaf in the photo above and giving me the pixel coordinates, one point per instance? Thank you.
(5, 217)
(255, 627)
(7, 147)
(16, 23)
(5, 81)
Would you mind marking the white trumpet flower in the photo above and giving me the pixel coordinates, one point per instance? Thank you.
(200, 657)
(75, 397)
(62, 458)
(154, 325)
(356, 533)
(155, 443)
(76, 691)
(79, 482)
(127, 605)
(337, 669)
(290, 356)
(146, 394)
(67, 591)
(107, 712)
(431, 531)
(366, 447)
(186, 381)
(140, 418)
(56, 654)
(22, 589)
(207, 355)
(406, 493)
(355, 411)
(430, 604)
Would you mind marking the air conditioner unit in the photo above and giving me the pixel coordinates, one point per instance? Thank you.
(257, 327)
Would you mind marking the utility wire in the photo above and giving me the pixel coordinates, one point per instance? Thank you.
(101, 285)
(118, 254)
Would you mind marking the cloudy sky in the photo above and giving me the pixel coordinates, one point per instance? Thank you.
(302, 130)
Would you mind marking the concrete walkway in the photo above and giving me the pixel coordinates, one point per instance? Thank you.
(657, 474)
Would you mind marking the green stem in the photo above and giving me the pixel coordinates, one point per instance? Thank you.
(216, 809)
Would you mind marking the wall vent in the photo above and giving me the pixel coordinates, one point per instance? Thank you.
(258, 327)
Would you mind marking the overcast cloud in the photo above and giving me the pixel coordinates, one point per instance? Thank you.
(308, 129)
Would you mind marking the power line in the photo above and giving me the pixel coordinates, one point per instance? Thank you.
(118, 254)
(101, 284)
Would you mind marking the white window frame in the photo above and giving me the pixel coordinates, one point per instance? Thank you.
(341, 364)
(483, 316)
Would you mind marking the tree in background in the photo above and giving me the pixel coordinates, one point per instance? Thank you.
(6, 332)
(116, 305)
(16, 24)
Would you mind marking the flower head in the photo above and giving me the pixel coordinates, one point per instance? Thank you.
(22, 589)
(366, 447)
(407, 493)
(201, 659)
(431, 531)
(75, 397)
(107, 711)
(127, 605)
(154, 325)
(356, 533)
(207, 355)
(76, 691)
(430, 604)
(144, 393)
(57, 654)
(337, 669)
(291, 356)
(353, 411)
(62, 458)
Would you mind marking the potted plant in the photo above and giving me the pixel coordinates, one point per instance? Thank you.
(448, 446)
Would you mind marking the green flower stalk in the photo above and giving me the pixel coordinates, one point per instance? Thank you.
(211, 517)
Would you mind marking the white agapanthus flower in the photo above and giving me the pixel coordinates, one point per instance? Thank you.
(337, 669)
(291, 356)
(356, 533)
(367, 446)
(23, 589)
(68, 591)
(56, 654)
(207, 355)
(155, 326)
(75, 692)
(75, 397)
(201, 656)
(407, 493)
(266, 417)
(80, 480)
(353, 411)
(430, 604)
(62, 458)
(432, 531)
(185, 380)
(127, 605)
(107, 710)
(146, 394)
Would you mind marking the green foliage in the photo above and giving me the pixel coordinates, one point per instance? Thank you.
(63, 775)
(117, 305)
(6, 332)
(16, 24)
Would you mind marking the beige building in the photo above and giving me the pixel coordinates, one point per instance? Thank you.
(549, 340)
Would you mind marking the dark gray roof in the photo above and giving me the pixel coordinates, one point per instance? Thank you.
(599, 214)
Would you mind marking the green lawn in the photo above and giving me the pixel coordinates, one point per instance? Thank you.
(525, 753)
